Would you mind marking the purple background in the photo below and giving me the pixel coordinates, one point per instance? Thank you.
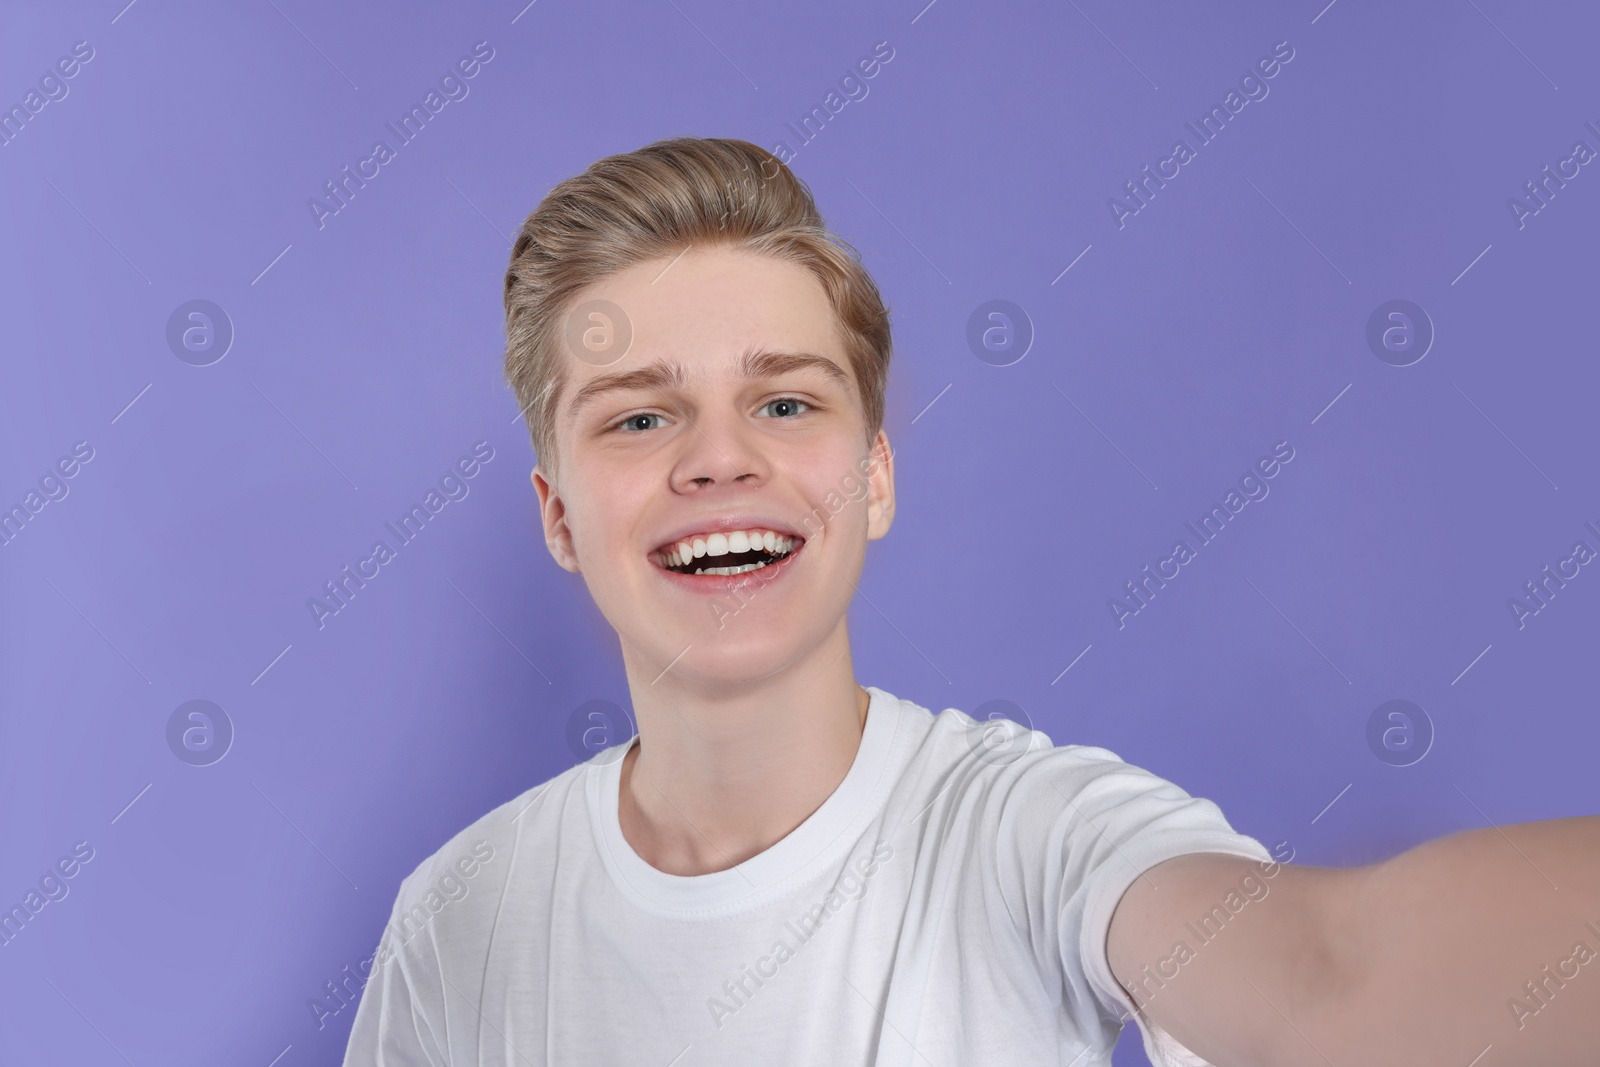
(1227, 315)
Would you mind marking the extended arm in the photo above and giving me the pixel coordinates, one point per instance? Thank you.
(1480, 949)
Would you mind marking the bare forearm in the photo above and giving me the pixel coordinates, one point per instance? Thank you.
(1484, 943)
(1481, 949)
(1237, 960)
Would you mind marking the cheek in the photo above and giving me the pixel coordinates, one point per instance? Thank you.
(614, 518)
(604, 504)
(604, 546)
(836, 492)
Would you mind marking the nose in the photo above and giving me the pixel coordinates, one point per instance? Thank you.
(719, 450)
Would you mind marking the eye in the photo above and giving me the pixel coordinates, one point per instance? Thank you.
(630, 424)
(788, 402)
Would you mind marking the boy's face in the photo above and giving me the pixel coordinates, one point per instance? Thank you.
(656, 464)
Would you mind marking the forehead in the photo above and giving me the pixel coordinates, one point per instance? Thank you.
(704, 310)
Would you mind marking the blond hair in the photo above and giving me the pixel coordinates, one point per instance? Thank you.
(655, 202)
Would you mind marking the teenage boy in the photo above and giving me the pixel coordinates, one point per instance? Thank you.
(785, 867)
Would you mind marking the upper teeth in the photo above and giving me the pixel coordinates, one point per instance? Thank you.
(720, 544)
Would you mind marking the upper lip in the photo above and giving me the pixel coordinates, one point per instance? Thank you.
(726, 524)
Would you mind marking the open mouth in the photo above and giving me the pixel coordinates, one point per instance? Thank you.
(736, 552)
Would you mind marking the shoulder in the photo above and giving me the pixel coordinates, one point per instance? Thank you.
(998, 758)
(1085, 807)
(460, 885)
(1060, 832)
(1057, 822)
(1023, 775)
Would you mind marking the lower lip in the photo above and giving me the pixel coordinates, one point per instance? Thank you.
(726, 584)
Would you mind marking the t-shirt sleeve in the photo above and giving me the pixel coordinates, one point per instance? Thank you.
(1077, 827)
(390, 1029)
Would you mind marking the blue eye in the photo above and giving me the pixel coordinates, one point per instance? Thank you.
(790, 402)
(629, 424)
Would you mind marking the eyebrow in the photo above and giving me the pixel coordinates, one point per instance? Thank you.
(664, 373)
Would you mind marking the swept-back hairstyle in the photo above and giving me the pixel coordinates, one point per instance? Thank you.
(655, 202)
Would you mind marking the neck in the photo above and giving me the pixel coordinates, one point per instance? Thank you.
(724, 770)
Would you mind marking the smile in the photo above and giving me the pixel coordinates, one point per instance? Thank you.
(734, 552)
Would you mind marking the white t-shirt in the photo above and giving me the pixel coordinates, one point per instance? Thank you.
(947, 904)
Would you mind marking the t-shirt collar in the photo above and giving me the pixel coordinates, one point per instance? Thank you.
(766, 876)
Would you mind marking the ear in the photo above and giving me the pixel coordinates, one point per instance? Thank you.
(553, 515)
(880, 488)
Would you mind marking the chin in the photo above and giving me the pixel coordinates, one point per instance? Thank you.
(743, 651)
